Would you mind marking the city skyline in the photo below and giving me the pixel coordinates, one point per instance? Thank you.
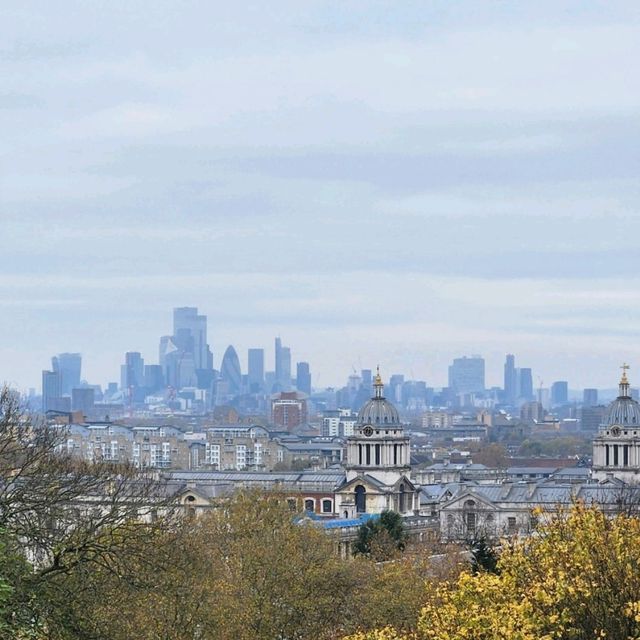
(406, 185)
(474, 366)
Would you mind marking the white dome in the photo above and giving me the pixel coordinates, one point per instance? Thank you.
(378, 411)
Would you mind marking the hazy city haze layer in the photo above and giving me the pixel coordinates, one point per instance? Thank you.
(375, 182)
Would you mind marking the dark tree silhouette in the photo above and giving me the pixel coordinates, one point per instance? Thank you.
(382, 537)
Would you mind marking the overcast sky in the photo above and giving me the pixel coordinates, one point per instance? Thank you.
(395, 182)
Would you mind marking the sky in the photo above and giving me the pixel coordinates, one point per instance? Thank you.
(384, 182)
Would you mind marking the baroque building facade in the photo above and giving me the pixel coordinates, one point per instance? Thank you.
(616, 448)
(378, 462)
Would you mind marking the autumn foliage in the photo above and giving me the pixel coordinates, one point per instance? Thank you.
(578, 578)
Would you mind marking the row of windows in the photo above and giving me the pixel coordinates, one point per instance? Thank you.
(310, 505)
(612, 455)
(365, 452)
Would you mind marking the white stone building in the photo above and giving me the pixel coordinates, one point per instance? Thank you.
(378, 470)
(616, 448)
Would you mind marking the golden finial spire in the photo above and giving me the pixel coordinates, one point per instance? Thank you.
(625, 367)
(624, 382)
(377, 383)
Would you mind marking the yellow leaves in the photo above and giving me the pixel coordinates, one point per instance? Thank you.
(632, 610)
(380, 634)
(579, 577)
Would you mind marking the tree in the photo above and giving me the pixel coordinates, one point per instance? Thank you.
(578, 578)
(493, 455)
(246, 571)
(381, 538)
(484, 556)
(61, 514)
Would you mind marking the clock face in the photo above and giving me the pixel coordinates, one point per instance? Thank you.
(615, 431)
(368, 430)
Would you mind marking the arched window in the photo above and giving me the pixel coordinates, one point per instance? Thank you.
(470, 521)
(470, 516)
(327, 506)
(346, 515)
(449, 524)
(361, 499)
(310, 505)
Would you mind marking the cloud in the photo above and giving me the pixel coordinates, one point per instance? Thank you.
(400, 183)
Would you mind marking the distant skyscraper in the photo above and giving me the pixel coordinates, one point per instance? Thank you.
(187, 322)
(51, 390)
(230, 371)
(185, 356)
(396, 382)
(283, 365)
(559, 393)
(68, 365)
(590, 397)
(510, 379)
(169, 357)
(255, 372)
(303, 378)
(466, 375)
(525, 383)
(153, 377)
(132, 371)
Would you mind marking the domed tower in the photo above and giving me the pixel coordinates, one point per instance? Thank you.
(616, 449)
(378, 461)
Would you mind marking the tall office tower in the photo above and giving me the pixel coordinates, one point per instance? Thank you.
(52, 391)
(83, 399)
(153, 377)
(185, 369)
(230, 371)
(303, 378)
(367, 378)
(187, 323)
(466, 375)
(510, 379)
(68, 365)
(278, 347)
(132, 371)
(525, 383)
(255, 371)
(559, 393)
(283, 365)
(396, 382)
(590, 398)
(169, 357)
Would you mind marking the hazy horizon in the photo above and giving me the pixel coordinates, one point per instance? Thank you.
(374, 182)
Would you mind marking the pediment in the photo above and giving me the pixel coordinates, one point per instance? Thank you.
(458, 502)
(370, 484)
(409, 486)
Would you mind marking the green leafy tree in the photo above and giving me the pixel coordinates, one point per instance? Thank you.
(484, 556)
(381, 538)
